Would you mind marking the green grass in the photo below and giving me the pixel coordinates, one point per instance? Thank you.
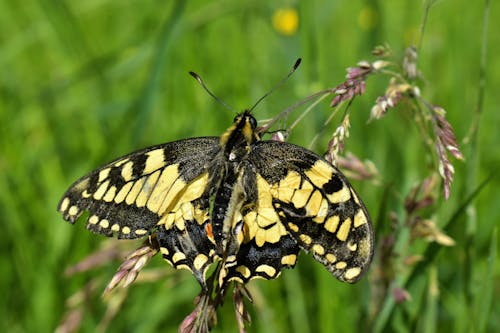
(85, 82)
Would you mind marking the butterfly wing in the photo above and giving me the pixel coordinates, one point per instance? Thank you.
(158, 189)
(315, 205)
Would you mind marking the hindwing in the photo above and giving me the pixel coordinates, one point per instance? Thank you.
(185, 239)
(265, 246)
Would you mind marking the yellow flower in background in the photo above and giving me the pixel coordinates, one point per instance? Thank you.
(286, 21)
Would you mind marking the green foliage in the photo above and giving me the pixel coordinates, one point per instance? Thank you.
(85, 82)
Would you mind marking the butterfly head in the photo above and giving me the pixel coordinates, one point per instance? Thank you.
(247, 123)
(242, 131)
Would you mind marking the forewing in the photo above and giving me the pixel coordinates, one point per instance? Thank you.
(317, 206)
(131, 195)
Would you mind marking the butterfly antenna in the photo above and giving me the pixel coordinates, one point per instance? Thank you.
(279, 84)
(220, 101)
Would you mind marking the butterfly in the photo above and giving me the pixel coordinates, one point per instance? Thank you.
(249, 204)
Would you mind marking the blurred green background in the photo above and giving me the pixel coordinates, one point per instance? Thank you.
(84, 82)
